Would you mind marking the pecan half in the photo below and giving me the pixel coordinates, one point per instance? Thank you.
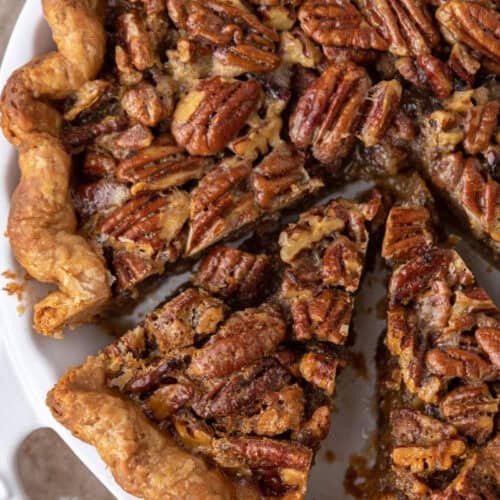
(488, 339)
(407, 234)
(242, 43)
(220, 204)
(325, 317)
(193, 312)
(471, 409)
(231, 273)
(247, 336)
(143, 104)
(326, 115)
(480, 124)
(133, 32)
(454, 362)
(212, 114)
(463, 64)
(168, 399)
(150, 222)
(280, 178)
(405, 24)
(319, 370)
(384, 99)
(438, 75)
(474, 24)
(338, 23)
(160, 167)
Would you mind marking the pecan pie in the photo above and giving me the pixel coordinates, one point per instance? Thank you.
(204, 380)
(439, 369)
(187, 122)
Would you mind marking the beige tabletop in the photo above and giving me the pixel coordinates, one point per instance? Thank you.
(50, 471)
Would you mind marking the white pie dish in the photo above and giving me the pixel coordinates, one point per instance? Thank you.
(36, 362)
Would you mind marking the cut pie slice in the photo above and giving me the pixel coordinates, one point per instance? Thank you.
(247, 391)
(439, 369)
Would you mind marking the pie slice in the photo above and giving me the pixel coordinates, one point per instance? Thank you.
(439, 369)
(209, 397)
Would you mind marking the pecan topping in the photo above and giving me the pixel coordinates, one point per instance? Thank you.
(438, 75)
(229, 272)
(319, 370)
(136, 137)
(131, 268)
(480, 124)
(247, 336)
(220, 204)
(241, 42)
(338, 23)
(97, 196)
(471, 409)
(463, 64)
(280, 178)
(326, 115)
(472, 23)
(314, 430)
(191, 313)
(407, 233)
(212, 114)
(98, 164)
(136, 39)
(384, 98)
(160, 167)
(86, 97)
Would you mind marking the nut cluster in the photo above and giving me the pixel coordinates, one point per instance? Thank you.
(443, 332)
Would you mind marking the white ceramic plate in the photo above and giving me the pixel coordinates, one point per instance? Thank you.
(36, 362)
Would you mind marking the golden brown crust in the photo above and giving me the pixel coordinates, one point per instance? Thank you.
(144, 461)
(42, 223)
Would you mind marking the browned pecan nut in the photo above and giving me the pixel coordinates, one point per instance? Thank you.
(243, 390)
(342, 55)
(443, 132)
(407, 25)
(384, 99)
(277, 412)
(455, 362)
(325, 317)
(407, 234)
(471, 409)
(212, 114)
(160, 167)
(143, 104)
(438, 75)
(168, 399)
(87, 96)
(342, 264)
(463, 64)
(232, 273)
(220, 204)
(149, 222)
(437, 264)
(242, 43)
(135, 37)
(480, 124)
(193, 312)
(194, 434)
(433, 307)
(131, 268)
(423, 443)
(326, 115)
(319, 370)
(475, 24)
(488, 339)
(246, 337)
(127, 73)
(280, 178)
(338, 23)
